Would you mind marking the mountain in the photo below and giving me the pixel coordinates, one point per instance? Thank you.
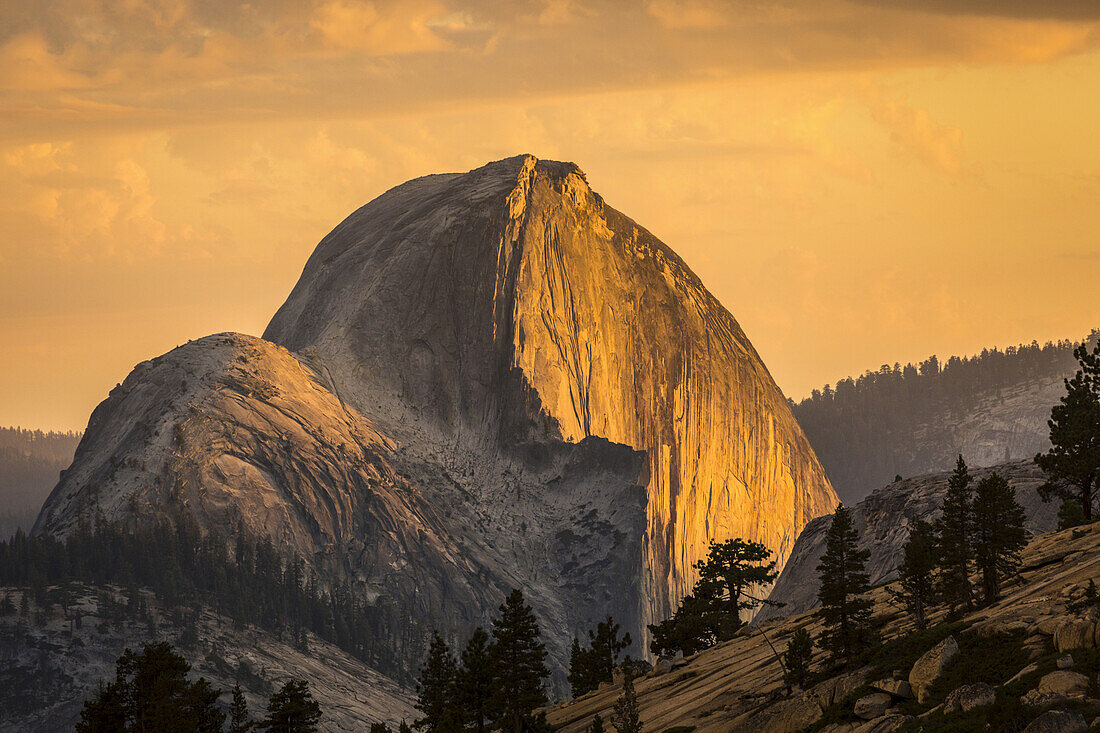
(913, 420)
(882, 520)
(511, 302)
(30, 461)
(481, 381)
(1030, 653)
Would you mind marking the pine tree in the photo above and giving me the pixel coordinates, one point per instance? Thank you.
(239, 719)
(519, 658)
(597, 724)
(292, 710)
(1072, 464)
(999, 533)
(579, 684)
(954, 544)
(800, 651)
(625, 717)
(1070, 514)
(404, 728)
(379, 728)
(916, 591)
(712, 611)
(596, 664)
(475, 680)
(151, 692)
(845, 613)
(436, 689)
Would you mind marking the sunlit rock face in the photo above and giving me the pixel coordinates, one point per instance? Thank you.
(245, 437)
(466, 313)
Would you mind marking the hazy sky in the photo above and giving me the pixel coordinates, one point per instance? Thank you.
(858, 182)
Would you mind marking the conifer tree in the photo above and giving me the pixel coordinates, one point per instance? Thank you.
(436, 688)
(151, 692)
(579, 684)
(999, 533)
(954, 544)
(239, 719)
(1072, 464)
(845, 613)
(379, 728)
(519, 659)
(292, 709)
(712, 611)
(797, 658)
(916, 591)
(475, 682)
(404, 728)
(626, 716)
(597, 724)
(1070, 514)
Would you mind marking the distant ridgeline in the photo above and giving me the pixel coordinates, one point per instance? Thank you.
(912, 420)
(30, 461)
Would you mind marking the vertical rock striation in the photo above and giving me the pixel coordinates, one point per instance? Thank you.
(471, 313)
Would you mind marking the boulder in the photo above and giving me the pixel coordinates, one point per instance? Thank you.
(792, 714)
(930, 666)
(663, 666)
(1058, 721)
(898, 688)
(1048, 625)
(885, 724)
(1063, 683)
(835, 689)
(968, 697)
(1075, 633)
(872, 706)
(1065, 662)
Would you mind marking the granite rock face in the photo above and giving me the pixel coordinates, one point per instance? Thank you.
(481, 381)
(511, 302)
(243, 436)
(882, 520)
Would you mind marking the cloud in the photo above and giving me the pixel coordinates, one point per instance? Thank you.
(939, 146)
(1056, 9)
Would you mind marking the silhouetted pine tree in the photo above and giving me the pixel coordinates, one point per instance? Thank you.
(1072, 464)
(436, 689)
(475, 682)
(597, 724)
(292, 710)
(519, 658)
(404, 728)
(589, 667)
(151, 692)
(999, 533)
(239, 719)
(845, 613)
(712, 611)
(626, 717)
(916, 586)
(800, 650)
(954, 544)
(379, 728)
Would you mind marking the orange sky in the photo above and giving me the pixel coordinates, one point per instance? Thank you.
(858, 181)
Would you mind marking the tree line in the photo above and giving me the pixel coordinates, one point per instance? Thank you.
(861, 428)
(151, 692)
(497, 681)
(248, 580)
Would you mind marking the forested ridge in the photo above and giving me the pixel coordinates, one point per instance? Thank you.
(903, 419)
(30, 461)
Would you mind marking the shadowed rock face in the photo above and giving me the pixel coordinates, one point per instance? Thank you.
(481, 381)
(882, 520)
(512, 302)
(243, 436)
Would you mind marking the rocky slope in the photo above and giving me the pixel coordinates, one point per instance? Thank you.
(244, 437)
(738, 685)
(49, 665)
(511, 302)
(883, 523)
